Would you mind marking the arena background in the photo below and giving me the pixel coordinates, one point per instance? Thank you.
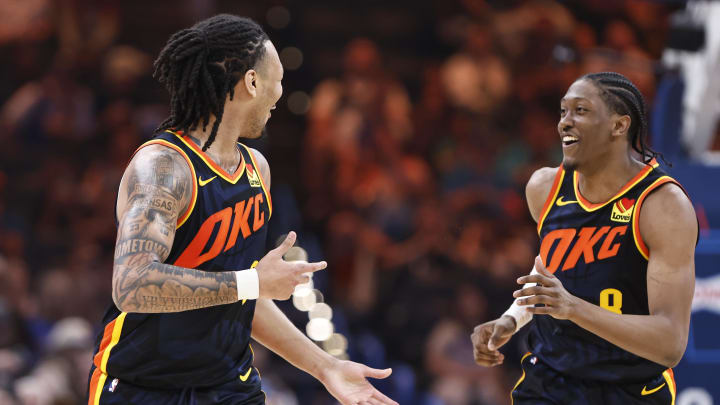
(399, 153)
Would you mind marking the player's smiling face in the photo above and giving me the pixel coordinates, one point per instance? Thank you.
(585, 125)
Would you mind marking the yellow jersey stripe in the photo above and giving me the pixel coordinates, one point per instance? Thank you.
(590, 206)
(231, 178)
(117, 330)
(262, 182)
(554, 190)
(639, 243)
(671, 385)
(522, 377)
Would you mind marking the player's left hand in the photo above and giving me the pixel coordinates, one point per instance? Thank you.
(559, 303)
(347, 382)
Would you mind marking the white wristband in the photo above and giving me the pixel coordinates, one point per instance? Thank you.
(248, 284)
(518, 312)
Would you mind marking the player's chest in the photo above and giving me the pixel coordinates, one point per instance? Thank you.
(573, 239)
(235, 210)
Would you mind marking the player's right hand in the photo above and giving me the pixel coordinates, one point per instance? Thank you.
(278, 278)
(489, 337)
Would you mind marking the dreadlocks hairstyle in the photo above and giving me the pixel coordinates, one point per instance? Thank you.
(201, 65)
(621, 95)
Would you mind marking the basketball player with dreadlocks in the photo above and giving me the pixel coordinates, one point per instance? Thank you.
(615, 275)
(191, 280)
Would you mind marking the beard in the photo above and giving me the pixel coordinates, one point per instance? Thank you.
(257, 126)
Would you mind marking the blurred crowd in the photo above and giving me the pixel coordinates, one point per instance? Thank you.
(406, 172)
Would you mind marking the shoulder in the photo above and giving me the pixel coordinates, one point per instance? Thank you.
(667, 215)
(668, 207)
(155, 156)
(541, 180)
(538, 188)
(156, 168)
(259, 158)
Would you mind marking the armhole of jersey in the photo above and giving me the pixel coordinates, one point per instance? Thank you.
(554, 190)
(259, 173)
(639, 242)
(182, 218)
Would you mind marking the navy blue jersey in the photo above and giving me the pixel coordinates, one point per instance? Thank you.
(223, 229)
(596, 251)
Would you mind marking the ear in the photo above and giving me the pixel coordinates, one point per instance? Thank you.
(621, 125)
(250, 82)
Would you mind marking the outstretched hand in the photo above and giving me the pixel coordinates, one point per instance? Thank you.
(278, 278)
(347, 382)
(549, 291)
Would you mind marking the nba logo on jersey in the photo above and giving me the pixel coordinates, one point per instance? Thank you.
(113, 385)
(252, 176)
(622, 210)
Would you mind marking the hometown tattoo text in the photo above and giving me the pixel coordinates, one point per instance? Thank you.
(158, 189)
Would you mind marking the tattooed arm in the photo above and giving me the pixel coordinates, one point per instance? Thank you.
(156, 188)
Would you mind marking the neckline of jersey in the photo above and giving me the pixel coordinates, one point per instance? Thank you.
(232, 178)
(591, 206)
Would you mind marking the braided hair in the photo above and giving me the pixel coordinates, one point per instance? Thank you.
(201, 65)
(621, 95)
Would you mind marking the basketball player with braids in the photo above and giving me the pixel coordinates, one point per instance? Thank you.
(615, 275)
(192, 282)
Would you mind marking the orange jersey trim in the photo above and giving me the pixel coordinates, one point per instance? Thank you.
(193, 199)
(590, 206)
(670, 380)
(262, 182)
(639, 243)
(554, 190)
(111, 336)
(231, 178)
(97, 382)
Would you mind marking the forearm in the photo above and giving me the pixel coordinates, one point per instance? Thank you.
(156, 287)
(633, 332)
(272, 329)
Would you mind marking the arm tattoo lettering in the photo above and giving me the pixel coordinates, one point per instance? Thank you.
(156, 194)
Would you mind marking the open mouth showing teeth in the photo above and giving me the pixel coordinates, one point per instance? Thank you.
(568, 140)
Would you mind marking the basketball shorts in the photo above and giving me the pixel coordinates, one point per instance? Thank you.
(541, 385)
(117, 392)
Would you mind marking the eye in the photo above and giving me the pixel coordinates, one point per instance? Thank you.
(581, 109)
(562, 111)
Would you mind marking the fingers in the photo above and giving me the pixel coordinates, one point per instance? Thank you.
(543, 277)
(302, 267)
(535, 290)
(542, 310)
(286, 244)
(537, 278)
(481, 345)
(380, 398)
(484, 355)
(496, 339)
(488, 360)
(538, 299)
(377, 373)
(540, 267)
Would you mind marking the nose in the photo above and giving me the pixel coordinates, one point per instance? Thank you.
(565, 123)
